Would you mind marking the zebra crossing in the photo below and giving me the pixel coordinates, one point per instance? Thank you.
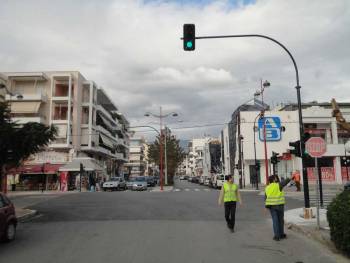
(192, 190)
(327, 198)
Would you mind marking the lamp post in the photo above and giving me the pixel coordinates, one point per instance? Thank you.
(255, 160)
(161, 117)
(263, 86)
(238, 116)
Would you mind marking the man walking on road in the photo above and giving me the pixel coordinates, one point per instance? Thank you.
(274, 201)
(229, 195)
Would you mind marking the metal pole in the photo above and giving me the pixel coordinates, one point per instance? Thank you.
(255, 161)
(317, 192)
(243, 174)
(301, 134)
(239, 149)
(161, 149)
(266, 161)
(165, 156)
(320, 185)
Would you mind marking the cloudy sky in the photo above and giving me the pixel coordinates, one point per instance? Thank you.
(132, 48)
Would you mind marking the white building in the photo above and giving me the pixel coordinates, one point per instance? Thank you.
(318, 121)
(88, 122)
(136, 166)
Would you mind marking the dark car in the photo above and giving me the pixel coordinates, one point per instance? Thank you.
(151, 181)
(8, 219)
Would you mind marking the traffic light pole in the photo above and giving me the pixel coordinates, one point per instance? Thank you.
(301, 126)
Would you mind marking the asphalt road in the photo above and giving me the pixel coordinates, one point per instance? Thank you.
(177, 226)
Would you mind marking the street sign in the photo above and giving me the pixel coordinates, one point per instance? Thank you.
(272, 127)
(316, 147)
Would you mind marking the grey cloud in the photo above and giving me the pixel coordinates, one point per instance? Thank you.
(133, 49)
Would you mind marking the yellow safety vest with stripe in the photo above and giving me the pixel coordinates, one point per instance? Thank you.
(274, 196)
(230, 192)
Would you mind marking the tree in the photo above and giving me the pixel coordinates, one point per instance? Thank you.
(18, 142)
(175, 154)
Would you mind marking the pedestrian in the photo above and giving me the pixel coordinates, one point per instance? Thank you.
(296, 179)
(229, 195)
(274, 201)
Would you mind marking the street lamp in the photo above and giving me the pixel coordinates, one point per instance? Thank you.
(161, 116)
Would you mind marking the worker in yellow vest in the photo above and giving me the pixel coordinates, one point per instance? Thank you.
(229, 195)
(274, 201)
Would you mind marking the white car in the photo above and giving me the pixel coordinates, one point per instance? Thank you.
(219, 181)
(115, 183)
(207, 181)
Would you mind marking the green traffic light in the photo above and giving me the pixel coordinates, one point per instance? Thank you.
(189, 44)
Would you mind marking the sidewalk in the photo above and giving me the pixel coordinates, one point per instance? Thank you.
(294, 221)
(24, 193)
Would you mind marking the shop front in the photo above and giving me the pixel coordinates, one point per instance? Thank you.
(79, 174)
(34, 177)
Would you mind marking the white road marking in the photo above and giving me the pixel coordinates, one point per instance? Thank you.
(187, 189)
(196, 189)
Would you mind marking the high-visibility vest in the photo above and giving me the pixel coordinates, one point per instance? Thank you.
(274, 196)
(230, 192)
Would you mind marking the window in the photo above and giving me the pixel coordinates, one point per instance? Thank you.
(61, 90)
(86, 93)
(60, 112)
(85, 115)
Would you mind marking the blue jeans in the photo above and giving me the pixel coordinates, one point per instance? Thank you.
(277, 214)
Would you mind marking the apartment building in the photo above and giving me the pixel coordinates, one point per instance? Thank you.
(283, 127)
(88, 122)
(136, 166)
(3, 80)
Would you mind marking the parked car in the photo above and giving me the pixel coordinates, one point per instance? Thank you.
(195, 179)
(201, 180)
(115, 183)
(189, 179)
(182, 177)
(130, 182)
(186, 177)
(220, 179)
(206, 181)
(139, 184)
(150, 181)
(8, 219)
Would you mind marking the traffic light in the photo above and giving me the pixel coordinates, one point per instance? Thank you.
(296, 150)
(274, 158)
(189, 37)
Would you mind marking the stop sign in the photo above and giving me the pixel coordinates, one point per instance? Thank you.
(316, 147)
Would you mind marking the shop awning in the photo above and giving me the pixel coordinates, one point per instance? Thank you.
(25, 107)
(74, 166)
(107, 141)
(46, 168)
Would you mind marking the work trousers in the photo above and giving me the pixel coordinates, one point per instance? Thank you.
(230, 214)
(277, 214)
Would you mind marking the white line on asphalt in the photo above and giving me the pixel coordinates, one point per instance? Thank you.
(187, 189)
(177, 190)
(206, 189)
(196, 189)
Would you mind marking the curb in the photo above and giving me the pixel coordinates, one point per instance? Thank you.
(315, 235)
(27, 216)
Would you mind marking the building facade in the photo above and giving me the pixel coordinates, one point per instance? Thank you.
(136, 166)
(88, 122)
(282, 127)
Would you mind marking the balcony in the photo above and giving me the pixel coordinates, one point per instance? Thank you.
(27, 97)
(23, 120)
